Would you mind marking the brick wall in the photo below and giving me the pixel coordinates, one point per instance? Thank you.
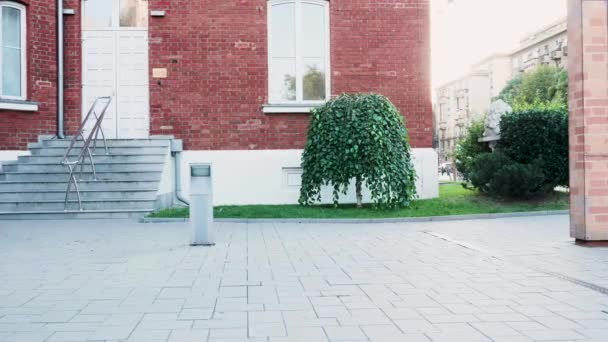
(19, 128)
(73, 67)
(216, 56)
(588, 72)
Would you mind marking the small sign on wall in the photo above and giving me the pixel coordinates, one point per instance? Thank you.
(159, 73)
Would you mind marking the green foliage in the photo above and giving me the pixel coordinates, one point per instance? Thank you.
(538, 134)
(560, 88)
(498, 175)
(531, 157)
(469, 148)
(359, 137)
(543, 86)
(510, 91)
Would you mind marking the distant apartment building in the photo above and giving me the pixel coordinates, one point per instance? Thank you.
(462, 101)
(467, 99)
(546, 47)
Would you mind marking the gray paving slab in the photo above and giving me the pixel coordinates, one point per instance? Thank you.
(508, 279)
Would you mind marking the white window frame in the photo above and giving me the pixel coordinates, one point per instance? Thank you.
(299, 104)
(22, 10)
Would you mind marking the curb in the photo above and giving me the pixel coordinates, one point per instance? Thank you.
(367, 221)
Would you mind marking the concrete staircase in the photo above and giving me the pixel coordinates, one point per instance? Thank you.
(127, 185)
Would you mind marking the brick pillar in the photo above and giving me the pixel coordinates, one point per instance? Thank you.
(588, 73)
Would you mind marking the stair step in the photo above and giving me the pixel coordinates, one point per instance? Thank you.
(128, 150)
(58, 205)
(100, 144)
(87, 195)
(112, 158)
(99, 167)
(64, 176)
(74, 214)
(83, 185)
(128, 175)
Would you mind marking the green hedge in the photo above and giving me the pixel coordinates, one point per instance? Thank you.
(538, 135)
(498, 175)
(530, 159)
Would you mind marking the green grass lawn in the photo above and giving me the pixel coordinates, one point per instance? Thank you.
(453, 200)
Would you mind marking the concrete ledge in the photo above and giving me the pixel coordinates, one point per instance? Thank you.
(368, 221)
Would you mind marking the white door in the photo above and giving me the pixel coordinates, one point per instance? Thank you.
(115, 63)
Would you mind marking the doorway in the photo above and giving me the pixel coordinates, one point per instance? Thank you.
(115, 63)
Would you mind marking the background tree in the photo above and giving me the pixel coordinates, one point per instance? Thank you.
(469, 147)
(543, 86)
(360, 138)
(510, 91)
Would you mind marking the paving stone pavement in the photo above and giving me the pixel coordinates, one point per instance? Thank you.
(516, 279)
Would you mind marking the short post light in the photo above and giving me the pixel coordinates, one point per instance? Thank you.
(201, 205)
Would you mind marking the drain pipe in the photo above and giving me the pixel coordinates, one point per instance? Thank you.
(176, 152)
(60, 97)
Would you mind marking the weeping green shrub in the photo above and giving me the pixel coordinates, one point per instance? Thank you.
(360, 138)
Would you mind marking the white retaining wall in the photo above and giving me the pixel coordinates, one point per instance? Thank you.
(11, 155)
(273, 176)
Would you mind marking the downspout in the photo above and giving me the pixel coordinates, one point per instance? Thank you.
(178, 179)
(177, 147)
(60, 96)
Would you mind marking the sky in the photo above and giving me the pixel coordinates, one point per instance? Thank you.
(464, 32)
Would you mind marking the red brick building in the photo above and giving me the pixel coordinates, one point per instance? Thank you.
(233, 76)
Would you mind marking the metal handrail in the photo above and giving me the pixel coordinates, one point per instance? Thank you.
(85, 151)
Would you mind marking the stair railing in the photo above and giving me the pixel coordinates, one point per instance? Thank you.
(85, 150)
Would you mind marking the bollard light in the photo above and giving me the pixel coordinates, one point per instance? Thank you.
(201, 205)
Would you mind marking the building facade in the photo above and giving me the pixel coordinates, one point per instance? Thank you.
(235, 80)
(460, 102)
(465, 100)
(548, 46)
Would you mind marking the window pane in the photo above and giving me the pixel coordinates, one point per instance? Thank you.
(313, 51)
(283, 80)
(283, 53)
(313, 30)
(11, 71)
(11, 27)
(283, 31)
(97, 14)
(11, 51)
(314, 79)
(134, 13)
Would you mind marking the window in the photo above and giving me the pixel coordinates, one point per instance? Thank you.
(134, 13)
(442, 112)
(12, 57)
(113, 14)
(298, 51)
(459, 103)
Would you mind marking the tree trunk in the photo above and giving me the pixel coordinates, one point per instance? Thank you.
(359, 185)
